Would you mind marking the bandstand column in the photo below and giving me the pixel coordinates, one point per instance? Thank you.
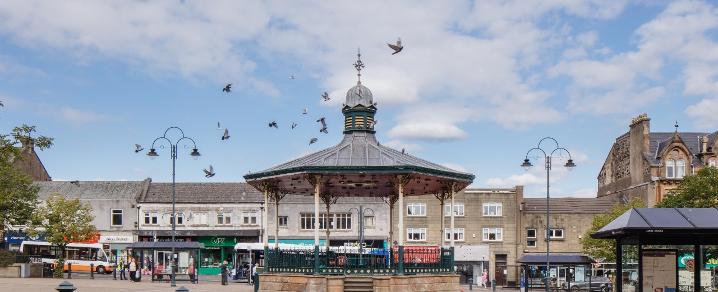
(265, 231)
(317, 189)
(451, 211)
(400, 266)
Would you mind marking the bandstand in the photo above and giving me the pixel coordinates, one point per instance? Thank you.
(359, 166)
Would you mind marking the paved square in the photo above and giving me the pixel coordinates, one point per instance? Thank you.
(106, 285)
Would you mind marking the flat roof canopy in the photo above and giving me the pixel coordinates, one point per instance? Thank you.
(166, 245)
(664, 226)
(555, 258)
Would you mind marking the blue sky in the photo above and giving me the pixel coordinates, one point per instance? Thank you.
(477, 85)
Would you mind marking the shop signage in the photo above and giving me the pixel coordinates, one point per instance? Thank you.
(17, 237)
(687, 261)
(218, 241)
(116, 239)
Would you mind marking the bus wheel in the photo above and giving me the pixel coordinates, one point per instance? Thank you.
(101, 269)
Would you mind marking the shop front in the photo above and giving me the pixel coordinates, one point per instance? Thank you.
(14, 238)
(116, 243)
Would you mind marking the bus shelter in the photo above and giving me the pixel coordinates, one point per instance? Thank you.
(567, 270)
(155, 258)
(665, 249)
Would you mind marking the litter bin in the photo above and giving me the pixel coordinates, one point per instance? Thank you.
(47, 270)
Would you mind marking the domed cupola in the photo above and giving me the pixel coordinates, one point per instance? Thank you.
(359, 108)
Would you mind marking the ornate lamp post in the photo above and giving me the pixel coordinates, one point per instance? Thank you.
(547, 157)
(173, 155)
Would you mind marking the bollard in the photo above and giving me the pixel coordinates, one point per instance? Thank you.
(65, 286)
(493, 285)
(182, 289)
(69, 270)
(92, 271)
(114, 273)
(471, 283)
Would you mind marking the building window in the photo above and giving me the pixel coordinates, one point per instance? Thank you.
(712, 162)
(492, 209)
(493, 234)
(556, 233)
(680, 168)
(458, 234)
(180, 219)
(416, 209)
(283, 221)
(531, 233)
(416, 234)
(337, 221)
(224, 218)
(531, 243)
(369, 221)
(458, 209)
(116, 217)
(670, 168)
(249, 218)
(199, 218)
(151, 218)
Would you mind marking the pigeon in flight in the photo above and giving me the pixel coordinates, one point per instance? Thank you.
(1, 104)
(324, 125)
(325, 96)
(396, 47)
(75, 182)
(292, 77)
(227, 88)
(225, 136)
(313, 140)
(209, 173)
(306, 111)
(273, 124)
(403, 151)
(294, 125)
(138, 148)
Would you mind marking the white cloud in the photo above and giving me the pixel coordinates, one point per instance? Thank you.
(78, 116)
(523, 179)
(398, 145)
(705, 113)
(456, 166)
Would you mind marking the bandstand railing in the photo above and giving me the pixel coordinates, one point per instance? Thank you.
(348, 261)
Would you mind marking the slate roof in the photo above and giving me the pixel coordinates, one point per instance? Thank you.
(555, 258)
(356, 150)
(569, 205)
(659, 141)
(693, 220)
(93, 190)
(202, 193)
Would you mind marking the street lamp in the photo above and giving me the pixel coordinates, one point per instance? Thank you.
(527, 165)
(360, 216)
(173, 155)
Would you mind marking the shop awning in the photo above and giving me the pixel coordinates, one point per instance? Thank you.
(166, 245)
(555, 258)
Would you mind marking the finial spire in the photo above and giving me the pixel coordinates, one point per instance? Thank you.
(358, 65)
(676, 125)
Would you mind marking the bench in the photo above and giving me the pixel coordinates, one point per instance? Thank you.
(165, 277)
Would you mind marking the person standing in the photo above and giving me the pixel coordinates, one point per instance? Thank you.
(255, 276)
(484, 278)
(121, 266)
(190, 271)
(223, 272)
(132, 268)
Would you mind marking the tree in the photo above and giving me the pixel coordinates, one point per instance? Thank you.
(695, 191)
(63, 221)
(18, 196)
(605, 249)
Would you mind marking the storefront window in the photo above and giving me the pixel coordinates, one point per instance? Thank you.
(211, 258)
(709, 271)
(629, 265)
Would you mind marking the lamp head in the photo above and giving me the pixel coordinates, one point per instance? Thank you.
(569, 164)
(153, 153)
(195, 154)
(527, 164)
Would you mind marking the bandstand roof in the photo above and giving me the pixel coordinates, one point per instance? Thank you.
(359, 165)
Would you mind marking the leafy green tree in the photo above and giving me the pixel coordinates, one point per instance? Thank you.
(18, 196)
(605, 249)
(63, 221)
(695, 191)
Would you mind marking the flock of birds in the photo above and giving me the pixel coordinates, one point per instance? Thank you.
(209, 172)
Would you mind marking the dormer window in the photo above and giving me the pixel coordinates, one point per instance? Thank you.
(680, 168)
(670, 168)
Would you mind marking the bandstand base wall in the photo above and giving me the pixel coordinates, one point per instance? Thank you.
(320, 283)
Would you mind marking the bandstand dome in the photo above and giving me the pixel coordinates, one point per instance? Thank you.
(359, 95)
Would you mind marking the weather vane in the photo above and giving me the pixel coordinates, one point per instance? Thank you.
(358, 65)
(676, 125)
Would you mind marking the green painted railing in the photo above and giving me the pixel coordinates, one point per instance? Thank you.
(339, 261)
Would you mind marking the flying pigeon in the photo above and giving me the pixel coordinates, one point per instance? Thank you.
(227, 88)
(396, 47)
(306, 111)
(294, 125)
(324, 125)
(219, 127)
(138, 148)
(226, 134)
(273, 124)
(1, 104)
(209, 173)
(313, 140)
(292, 77)
(325, 96)
(75, 182)
(403, 151)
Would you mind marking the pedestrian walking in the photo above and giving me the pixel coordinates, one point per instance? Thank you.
(255, 276)
(132, 268)
(223, 272)
(121, 267)
(190, 271)
(484, 278)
